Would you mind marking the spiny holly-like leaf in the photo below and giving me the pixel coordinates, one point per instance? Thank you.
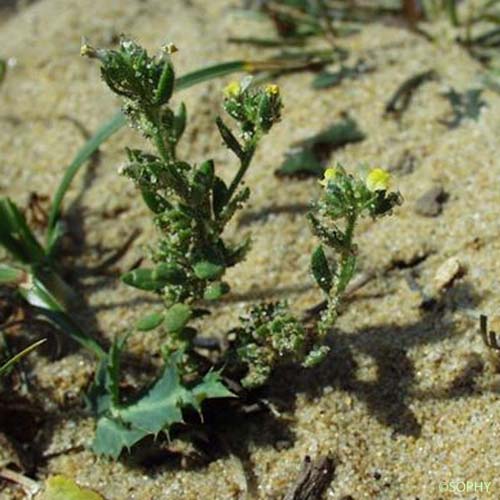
(160, 407)
(63, 488)
(321, 269)
(177, 317)
(210, 387)
(112, 437)
(154, 279)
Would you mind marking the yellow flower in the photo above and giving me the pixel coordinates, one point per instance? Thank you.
(378, 180)
(232, 90)
(329, 175)
(272, 89)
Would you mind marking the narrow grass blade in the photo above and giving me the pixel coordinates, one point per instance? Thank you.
(10, 275)
(46, 304)
(64, 323)
(16, 236)
(12, 361)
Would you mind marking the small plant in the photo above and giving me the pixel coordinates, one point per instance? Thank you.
(270, 335)
(191, 206)
(345, 199)
(35, 272)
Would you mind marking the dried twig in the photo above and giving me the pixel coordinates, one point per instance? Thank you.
(30, 486)
(400, 100)
(313, 480)
(489, 337)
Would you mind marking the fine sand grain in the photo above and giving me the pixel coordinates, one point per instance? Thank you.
(408, 397)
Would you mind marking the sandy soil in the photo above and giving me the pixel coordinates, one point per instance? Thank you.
(408, 398)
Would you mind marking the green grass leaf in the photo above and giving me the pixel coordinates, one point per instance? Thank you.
(12, 361)
(11, 275)
(16, 236)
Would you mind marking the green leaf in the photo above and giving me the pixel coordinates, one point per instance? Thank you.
(166, 84)
(206, 270)
(219, 195)
(154, 279)
(156, 411)
(216, 290)
(180, 121)
(155, 202)
(211, 387)
(150, 322)
(160, 407)
(11, 275)
(346, 273)
(63, 488)
(177, 317)
(112, 437)
(321, 269)
(229, 139)
(16, 236)
(309, 155)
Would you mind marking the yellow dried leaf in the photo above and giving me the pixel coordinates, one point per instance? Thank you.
(63, 488)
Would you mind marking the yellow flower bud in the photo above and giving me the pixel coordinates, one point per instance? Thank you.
(232, 90)
(170, 48)
(272, 89)
(378, 180)
(330, 174)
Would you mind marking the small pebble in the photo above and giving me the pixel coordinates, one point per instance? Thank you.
(405, 165)
(430, 204)
(447, 272)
